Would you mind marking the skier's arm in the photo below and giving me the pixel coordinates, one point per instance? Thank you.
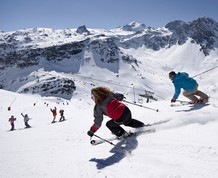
(177, 92)
(98, 115)
(119, 96)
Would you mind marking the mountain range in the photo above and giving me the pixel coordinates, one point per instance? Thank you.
(52, 62)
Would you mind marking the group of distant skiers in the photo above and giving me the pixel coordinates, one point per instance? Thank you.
(26, 118)
(54, 113)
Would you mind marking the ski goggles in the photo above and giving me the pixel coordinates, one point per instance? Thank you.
(93, 97)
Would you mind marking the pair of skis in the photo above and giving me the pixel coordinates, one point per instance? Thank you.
(183, 103)
(131, 134)
(147, 129)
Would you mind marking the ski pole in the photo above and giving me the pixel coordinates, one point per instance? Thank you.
(157, 110)
(13, 101)
(112, 143)
(9, 108)
(205, 71)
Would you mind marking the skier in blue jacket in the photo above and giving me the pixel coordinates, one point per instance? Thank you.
(181, 80)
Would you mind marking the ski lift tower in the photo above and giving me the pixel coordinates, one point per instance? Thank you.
(148, 95)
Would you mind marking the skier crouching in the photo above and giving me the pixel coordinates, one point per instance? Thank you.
(109, 104)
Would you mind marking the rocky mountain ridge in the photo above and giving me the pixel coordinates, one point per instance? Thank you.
(32, 49)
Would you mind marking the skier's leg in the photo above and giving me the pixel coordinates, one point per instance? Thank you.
(12, 126)
(28, 124)
(135, 123)
(191, 96)
(53, 119)
(127, 120)
(115, 128)
(202, 95)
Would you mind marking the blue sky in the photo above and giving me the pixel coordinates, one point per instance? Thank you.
(60, 14)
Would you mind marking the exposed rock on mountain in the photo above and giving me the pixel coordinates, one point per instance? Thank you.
(202, 31)
(82, 29)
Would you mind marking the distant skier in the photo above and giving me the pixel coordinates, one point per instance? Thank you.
(181, 80)
(109, 104)
(11, 120)
(26, 120)
(62, 118)
(54, 113)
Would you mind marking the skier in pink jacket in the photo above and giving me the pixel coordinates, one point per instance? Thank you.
(11, 120)
(109, 104)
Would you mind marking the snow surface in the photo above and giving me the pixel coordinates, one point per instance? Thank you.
(184, 147)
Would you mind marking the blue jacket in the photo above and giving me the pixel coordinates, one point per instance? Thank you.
(182, 80)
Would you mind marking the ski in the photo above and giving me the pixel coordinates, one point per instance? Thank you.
(183, 103)
(132, 134)
(188, 104)
(158, 123)
(53, 122)
(20, 129)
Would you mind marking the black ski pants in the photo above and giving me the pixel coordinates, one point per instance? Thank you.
(26, 124)
(12, 126)
(125, 119)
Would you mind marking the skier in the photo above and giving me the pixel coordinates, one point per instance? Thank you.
(62, 118)
(26, 119)
(54, 113)
(11, 120)
(190, 86)
(109, 104)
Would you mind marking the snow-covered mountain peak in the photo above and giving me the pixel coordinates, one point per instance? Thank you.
(82, 29)
(134, 26)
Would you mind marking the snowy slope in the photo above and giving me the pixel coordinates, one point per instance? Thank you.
(186, 146)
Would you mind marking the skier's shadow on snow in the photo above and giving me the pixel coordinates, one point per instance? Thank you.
(118, 153)
(194, 107)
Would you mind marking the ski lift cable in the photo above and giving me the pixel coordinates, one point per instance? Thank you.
(93, 79)
(113, 83)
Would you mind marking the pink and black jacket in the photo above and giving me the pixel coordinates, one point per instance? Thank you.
(111, 107)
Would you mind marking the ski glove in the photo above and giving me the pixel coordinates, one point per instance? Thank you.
(173, 100)
(90, 133)
(122, 97)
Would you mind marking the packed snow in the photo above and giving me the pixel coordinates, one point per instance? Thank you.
(185, 146)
